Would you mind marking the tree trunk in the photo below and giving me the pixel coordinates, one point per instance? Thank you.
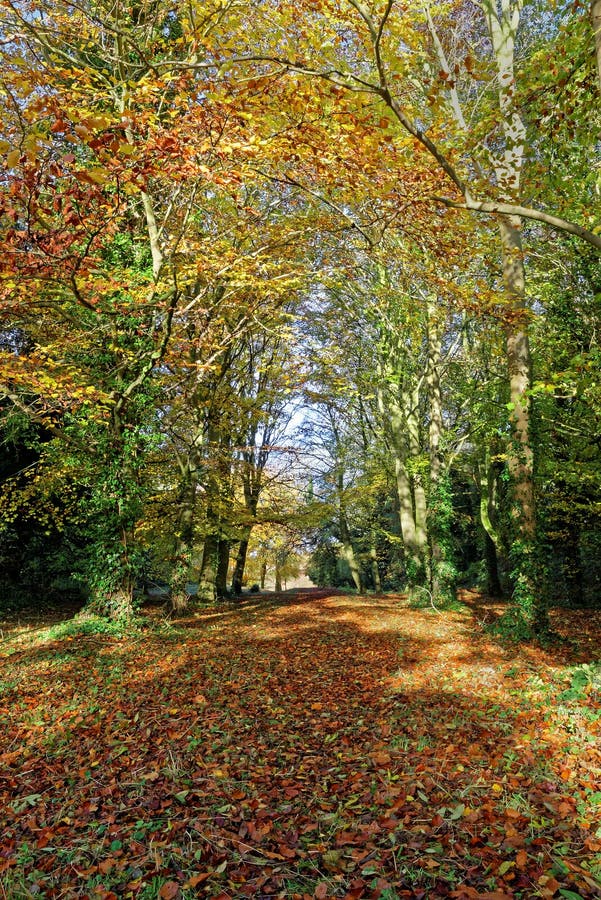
(238, 576)
(223, 564)
(527, 594)
(414, 560)
(211, 578)
(112, 573)
(184, 539)
(420, 504)
(348, 554)
(503, 24)
(186, 506)
(493, 582)
(492, 540)
(521, 458)
(442, 570)
(348, 551)
(252, 491)
(375, 571)
(278, 575)
(487, 500)
(394, 414)
(207, 578)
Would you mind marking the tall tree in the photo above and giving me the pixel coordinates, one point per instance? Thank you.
(111, 173)
(369, 61)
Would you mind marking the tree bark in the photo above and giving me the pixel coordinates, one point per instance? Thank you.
(521, 459)
(407, 515)
(442, 570)
(112, 587)
(492, 540)
(223, 564)
(527, 593)
(207, 577)
(348, 551)
(238, 576)
(184, 544)
(493, 581)
(404, 434)
(278, 574)
(375, 571)
(411, 403)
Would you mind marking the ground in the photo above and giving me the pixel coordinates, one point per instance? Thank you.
(304, 745)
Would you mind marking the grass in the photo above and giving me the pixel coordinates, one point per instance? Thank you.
(289, 749)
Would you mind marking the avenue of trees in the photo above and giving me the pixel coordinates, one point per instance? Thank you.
(300, 279)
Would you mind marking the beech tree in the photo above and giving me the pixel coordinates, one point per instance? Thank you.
(382, 56)
(104, 207)
(203, 205)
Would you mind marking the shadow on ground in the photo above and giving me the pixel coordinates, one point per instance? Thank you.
(300, 746)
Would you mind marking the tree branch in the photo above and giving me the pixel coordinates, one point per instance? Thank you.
(526, 212)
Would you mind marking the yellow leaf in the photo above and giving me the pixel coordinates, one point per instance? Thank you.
(99, 176)
(13, 158)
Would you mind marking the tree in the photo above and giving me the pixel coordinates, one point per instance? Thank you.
(104, 216)
(409, 92)
(264, 396)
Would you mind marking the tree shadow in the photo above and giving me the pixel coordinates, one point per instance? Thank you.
(347, 742)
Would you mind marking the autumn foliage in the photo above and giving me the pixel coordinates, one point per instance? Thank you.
(289, 290)
(318, 745)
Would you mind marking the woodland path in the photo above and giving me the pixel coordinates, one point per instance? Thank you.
(301, 745)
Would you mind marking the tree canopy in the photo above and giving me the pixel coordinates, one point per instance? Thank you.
(300, 284)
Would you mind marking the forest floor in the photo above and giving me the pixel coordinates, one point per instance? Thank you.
(304, 745)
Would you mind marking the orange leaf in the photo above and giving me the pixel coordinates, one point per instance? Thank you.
(381, 759)
(512, 813)
(169, 890)
(197, 879)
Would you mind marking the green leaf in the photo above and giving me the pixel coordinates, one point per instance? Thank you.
(457, 812)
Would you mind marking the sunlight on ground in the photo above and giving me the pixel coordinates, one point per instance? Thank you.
(317, 745)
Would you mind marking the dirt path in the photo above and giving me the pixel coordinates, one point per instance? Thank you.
(306, 745)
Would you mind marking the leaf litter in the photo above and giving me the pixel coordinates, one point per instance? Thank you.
(314, 745)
